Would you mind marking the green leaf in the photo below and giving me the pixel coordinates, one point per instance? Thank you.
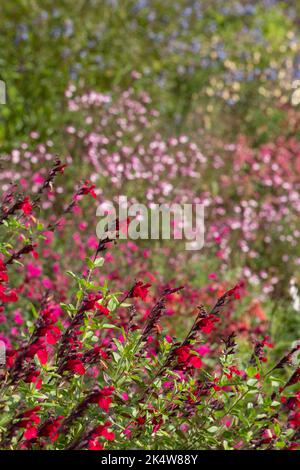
(99, 262)
(275, 403)
(251, 382)
(251, 371)
(116, 356)
(213, 429)
(109, 326)
(112, 304)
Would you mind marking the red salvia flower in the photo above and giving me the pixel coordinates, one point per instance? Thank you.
(30, 433)
(102, 310)
(52, 334)
(76, 366)
(94, 444)
(267, 343)
(42, 355)
(3, 273)
(50, 428)
(87, 188)
(10, 357)
(195, 362)
(29, 421)
(103, 398)
(186, 357)
(102, 431)
(141, 420)
(294, 420)
(33, 377)
(25, 206)
(233, 370)
(38, 348)
(91, 302)
(207, 324)
(7, 296)
(140, 290)
(236, 290)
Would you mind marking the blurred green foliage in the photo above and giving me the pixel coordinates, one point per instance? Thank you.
(221, 65)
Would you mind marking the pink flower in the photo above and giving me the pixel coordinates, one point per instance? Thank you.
(37, 178)
(33, 270)
(227, 421)
(203, 350)
(47, 283)
(18, 318)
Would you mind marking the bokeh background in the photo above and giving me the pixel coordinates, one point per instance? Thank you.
(174, 101)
